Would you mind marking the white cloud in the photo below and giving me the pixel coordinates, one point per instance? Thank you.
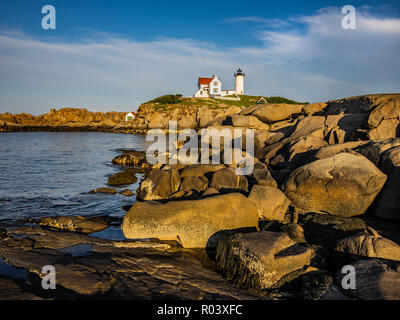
(313, 59)
(388, 26)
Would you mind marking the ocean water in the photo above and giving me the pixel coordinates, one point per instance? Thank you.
(50, 174)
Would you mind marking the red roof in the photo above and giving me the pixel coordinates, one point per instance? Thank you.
(206, 81)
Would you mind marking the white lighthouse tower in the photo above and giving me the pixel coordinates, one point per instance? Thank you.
(239, 82)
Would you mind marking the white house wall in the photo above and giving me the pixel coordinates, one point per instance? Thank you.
(201, 93)
(215, 86)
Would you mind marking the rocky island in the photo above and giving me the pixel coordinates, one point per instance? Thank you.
(323, 198)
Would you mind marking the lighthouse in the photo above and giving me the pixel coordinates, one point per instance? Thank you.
(239, 82)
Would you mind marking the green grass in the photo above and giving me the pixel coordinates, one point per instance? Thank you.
(167, 99)
(171, 101)
(282, 100)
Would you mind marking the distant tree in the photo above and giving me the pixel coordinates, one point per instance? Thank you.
(168, 99)
(283, 100)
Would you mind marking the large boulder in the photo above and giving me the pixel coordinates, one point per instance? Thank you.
(325, 230)
(331, 150)
(369, 245)
(345, 184)
(160, 184)
(311, 129)
(198, 184)
(262, 175)
(194, 223)
(378, 112)
(271, 203)
(226, 179)
(375, 280)
(104, 190)
(298, 152)
(386, 155)
(384, 117)
(198, 170)
(250, 122)
(388, 128)
(122, 178)
(313, 108)
(270, 113)
(131, 158)
(374, 151)
(260, 260)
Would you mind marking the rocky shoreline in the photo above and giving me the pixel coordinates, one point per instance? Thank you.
(189, 113)
(323, 195)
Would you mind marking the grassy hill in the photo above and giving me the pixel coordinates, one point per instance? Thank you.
(170, 101)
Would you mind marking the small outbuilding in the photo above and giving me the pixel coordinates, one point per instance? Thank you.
(130, 116)
(261, 100)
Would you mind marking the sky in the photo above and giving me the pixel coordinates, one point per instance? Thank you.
(115, 55)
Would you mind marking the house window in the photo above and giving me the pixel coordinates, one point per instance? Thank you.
(215, 83)
(215, 90)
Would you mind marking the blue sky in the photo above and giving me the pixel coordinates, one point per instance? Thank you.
(114, 55)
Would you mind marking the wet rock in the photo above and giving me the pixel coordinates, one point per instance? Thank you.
(109, 270)
(11, 289)
(3, 233)
(345, 184)
(227, 180)
(195, 223)
(131, 158)
(260, 260)
(122, 179)
(104, 190)
(127, 193)
(160, 184)
(271, 202)
(73, 224)
(315, 284)
(375, 280)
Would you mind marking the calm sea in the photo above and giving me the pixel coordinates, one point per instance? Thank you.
(48, 174)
